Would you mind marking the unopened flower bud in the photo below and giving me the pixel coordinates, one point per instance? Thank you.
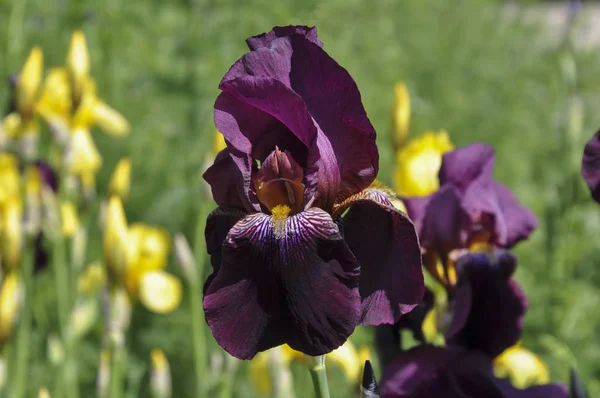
(400, 115)
(185, 257)
(92, 280)
(70, 219)
(120, 181)
(56, 350)
(83, 317)
(160, 380)
(103, 374)
(29, 82)
(11, 298)
(44, 393)
(78, 63)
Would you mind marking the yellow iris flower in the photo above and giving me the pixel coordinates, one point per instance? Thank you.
(70, 105)
(522, 367)
(346, 357)
(418, 163)
(136, 257)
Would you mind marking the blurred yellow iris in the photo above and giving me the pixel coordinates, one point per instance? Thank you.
(11, 295)
(120, 180)
(522, 367)
(136, 257)
(11, 213)
(21, 120)
(418, 163)
(345, 357)
(70, 105)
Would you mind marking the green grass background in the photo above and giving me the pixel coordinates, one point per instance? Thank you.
(470, 68)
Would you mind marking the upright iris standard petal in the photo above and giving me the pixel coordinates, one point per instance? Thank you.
(346, 139)
(426, 371)
(386, 246)
(489, 305)
(344, 124)
(301, 289)
(265, 39)
(464, 165)
(590, 165)
(510, 221)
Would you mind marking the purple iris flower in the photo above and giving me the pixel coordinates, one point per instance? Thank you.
(468, 210)
(487, 318)
(590, 166)
(485, 312)
(452, 372)
(489, 306)
(302, 249)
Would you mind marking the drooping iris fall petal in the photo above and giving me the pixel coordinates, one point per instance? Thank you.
(590, 166)
(489, 305)
(386, 246)
(302, 289)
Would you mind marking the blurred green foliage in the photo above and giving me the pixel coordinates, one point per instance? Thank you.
(472, 68)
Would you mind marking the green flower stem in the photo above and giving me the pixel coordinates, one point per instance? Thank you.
(61, 279)
(195, 279)
(316, 366)
(24, 332)
(117, 370)
(63, 285)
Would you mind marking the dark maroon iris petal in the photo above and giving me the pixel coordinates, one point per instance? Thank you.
(443, 224)
(590, 166)
(40, 260)
(49, 176)
(256, 115)
(386, 246)
(510, 222)
(388, 342)
(416, 208)
(229, 187)
(300, 289)
(413, 321)
(488, 306)
(334, 102)
(289, 92)
(426, 371)
(218, 224)
(464, 165)
(265, 39)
